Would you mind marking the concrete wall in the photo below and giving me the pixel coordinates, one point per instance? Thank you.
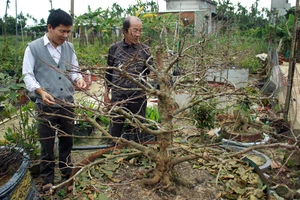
(196, 12)
(281, 6)
(238, 77)
(190, 5)
(294, 114)
(201, 20)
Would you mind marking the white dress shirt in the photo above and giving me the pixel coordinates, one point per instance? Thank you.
(29, 62)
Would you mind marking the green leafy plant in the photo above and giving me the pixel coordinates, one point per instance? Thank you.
(82, 126)
(85, 109)
(204, 113)
(9, 94)
(25, 134)
(103, 120)
(242, 106)
(93, 57)
(153, 114)
(251, 63)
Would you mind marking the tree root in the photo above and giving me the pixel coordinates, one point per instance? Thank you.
(159, 179)
(91, 158)
(152, 181)
(172, 189)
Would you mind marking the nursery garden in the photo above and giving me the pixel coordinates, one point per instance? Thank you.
(216, 138)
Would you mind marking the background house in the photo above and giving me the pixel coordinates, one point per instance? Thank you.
(198, 13)
(281, 6)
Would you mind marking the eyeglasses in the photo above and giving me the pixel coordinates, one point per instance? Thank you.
(134, 30)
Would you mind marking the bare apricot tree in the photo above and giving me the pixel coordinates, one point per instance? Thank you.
(194, 55)
(190, 52)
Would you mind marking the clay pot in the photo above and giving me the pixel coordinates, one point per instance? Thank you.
(241, 137)
(23, 98)
(94, 77)
(88, 79)
(257, 137)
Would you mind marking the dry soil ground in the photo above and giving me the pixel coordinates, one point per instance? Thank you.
(203, 179)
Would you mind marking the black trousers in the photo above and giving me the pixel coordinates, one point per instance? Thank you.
(116, 126)
(47, 127)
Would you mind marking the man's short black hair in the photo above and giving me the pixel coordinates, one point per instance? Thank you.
(58, 17)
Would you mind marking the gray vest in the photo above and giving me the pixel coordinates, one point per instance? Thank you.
(51, 76)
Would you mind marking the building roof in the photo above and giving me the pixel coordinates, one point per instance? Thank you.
(182, 11)
(208, 1)
(211, 2)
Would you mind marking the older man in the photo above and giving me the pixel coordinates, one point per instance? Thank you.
(131, 56)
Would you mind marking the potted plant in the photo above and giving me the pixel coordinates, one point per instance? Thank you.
(95, 72)
(244, 127)
(16, 181)
(24, 135)
(82, 126)
(9, 93)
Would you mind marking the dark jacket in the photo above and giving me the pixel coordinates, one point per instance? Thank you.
(131, 58)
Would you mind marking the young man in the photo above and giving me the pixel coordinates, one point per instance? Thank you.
(50, 67)
(129, 55)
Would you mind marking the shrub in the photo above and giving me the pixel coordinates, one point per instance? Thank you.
(204, 113)
(251, 63)
(25, 134)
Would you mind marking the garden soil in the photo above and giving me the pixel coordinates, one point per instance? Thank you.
(5, 124)
(193, 182)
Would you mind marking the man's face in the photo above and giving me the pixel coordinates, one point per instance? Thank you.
(58, 35)
(134, 32)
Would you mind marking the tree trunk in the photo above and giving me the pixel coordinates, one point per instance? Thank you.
(82, 41)
(72, 15)
(162, 172)
(91, 37)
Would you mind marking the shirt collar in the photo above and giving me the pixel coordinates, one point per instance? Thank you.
(129, 45)
(46, 40)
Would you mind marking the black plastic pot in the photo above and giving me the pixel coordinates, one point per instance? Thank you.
(21, 185)
(267, 161)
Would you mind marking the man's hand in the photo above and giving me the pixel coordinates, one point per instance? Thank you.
(80, 83)
(46, 97)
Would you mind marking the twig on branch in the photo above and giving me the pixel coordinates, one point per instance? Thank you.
(80, 168)
(275, 145)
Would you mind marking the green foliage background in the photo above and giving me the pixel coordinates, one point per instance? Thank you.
(252, 30)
